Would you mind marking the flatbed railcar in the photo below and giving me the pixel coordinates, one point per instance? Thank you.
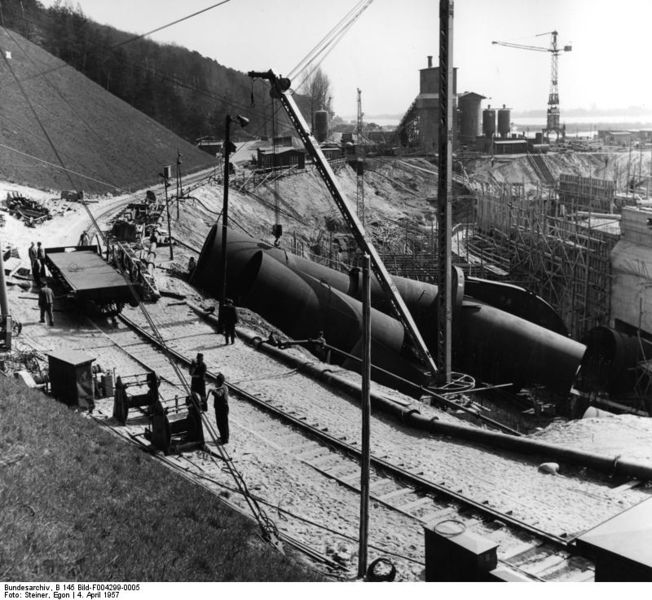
(82, 274)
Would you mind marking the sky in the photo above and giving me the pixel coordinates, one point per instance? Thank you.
(383, 51)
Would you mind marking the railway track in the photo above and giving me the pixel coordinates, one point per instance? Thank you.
(530, 551)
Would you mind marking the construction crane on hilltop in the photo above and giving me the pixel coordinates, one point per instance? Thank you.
(552, 120)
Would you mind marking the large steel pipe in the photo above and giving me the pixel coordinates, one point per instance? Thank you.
(609, 364)
(302, 307)
(497, 346)
(517, 301)
(489, 343)
(208, 271)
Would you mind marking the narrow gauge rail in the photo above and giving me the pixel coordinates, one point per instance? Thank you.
(532, 552)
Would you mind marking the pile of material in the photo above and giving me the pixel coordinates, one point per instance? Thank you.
(27, 209)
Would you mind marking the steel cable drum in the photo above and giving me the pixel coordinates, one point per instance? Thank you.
(499, 347)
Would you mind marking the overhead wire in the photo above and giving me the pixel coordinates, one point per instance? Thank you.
(139, 36)
(317, 48)
(36, 116)
(267, 525)
(327, 44)
(56, 90)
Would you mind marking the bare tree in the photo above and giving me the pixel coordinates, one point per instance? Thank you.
(318, 88)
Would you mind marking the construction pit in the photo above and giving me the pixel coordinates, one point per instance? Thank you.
(314, 488)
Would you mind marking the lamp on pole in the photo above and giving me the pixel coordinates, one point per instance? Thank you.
(166, 182)
(179, 189)
(229, 147)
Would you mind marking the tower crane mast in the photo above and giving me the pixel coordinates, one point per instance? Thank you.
(553, 116)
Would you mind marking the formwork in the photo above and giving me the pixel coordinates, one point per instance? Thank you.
(556, 251)
(587, 193)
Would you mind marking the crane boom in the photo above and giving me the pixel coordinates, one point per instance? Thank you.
(523, 46)
(280, 90)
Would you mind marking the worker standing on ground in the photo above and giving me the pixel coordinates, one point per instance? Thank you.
(192, 265)
(40, 260)
(40, 251)
(221, 404)
(45, 302)
(229, 318)
(198, 379)
(34, 264)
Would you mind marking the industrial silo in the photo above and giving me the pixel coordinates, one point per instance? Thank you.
(504, 119)
(489, 122)
(321, 125)
(470, 115)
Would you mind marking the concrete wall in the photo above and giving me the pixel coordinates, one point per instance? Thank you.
(631, 263)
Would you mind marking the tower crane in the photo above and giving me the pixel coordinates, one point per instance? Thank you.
(552, 120)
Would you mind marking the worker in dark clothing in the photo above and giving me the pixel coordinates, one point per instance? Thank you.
(192, 265)
(40, 251)
(36, 272)
(32, 253)
(221, 404)
(198, 379)
(45, 302)
(229, 318)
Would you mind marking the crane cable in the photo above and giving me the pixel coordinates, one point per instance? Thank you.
(331, 46)
(267, 526)
(36, 116)
(277, 229)
(343, 24)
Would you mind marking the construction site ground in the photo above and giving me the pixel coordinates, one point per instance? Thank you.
(570, 502)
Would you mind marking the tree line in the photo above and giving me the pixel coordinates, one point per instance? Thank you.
(186, 92)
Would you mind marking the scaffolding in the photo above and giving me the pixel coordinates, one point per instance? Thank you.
(558, 252)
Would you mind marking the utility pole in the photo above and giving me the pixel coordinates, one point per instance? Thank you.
(444, 220)
(229, 147)
(166, 183)
(359, 162)
(366, 418)
(179, 190)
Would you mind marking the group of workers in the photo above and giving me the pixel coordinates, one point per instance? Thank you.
(220, 394)
(36, 254)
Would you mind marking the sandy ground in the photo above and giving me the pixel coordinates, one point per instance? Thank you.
(266, 454)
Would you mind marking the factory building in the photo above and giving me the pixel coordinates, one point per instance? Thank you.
(419, 127)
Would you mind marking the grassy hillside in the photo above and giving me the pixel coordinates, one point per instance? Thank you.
(80, 504)
(62, 131)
